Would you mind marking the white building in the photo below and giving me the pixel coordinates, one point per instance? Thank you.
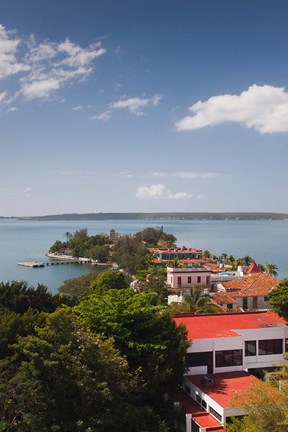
(224, 348)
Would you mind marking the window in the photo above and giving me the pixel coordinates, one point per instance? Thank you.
(204, 404)
(245, 303)
(266, 298)
(228, 358)
(270, 346)
(215, 414)
(198, 279)
(255, 302)
(179, 280)
(189, 279)
(197, 359)
(229, 306)
(250, 348)
(207, 280)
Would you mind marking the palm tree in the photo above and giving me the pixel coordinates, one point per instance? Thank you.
(198, 302)
(206, 254)
(271, 269)
(175, 263)
(247, 260)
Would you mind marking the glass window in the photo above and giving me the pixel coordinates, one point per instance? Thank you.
(270, 346)
(250, 348)
(215, 414)
(198, 279)
(229, 358)
(189, 279)
(197, 359)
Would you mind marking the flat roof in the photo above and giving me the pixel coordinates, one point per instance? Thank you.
(207, 326)
(225, 386)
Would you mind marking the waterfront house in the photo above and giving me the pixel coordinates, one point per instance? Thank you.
(225, 348)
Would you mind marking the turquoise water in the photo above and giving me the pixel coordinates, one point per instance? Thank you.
(265, 241)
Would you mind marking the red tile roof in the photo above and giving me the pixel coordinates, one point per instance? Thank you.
(225, 386)
(226, 325)
(223, 298)
(259, 284)
(253, 268)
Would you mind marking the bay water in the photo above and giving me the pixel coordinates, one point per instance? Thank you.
(20, 240)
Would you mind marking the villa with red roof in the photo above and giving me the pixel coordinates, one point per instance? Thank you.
(250, 292)
(224, 349)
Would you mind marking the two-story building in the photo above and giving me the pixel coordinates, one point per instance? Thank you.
(182, 279)
(250, 292)
(224, 349)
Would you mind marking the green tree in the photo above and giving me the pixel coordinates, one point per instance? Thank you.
(76, 287)
(143, 332)
(206, 254)
(175, 263)
(271, 269)
(64, 378)
(17, 296)
(197, 302)
(278, 299)
(100, 253)
(131, 254)
(110, 279)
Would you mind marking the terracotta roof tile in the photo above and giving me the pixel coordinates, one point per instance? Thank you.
(223, 298)
(259, 284)
(253, 268)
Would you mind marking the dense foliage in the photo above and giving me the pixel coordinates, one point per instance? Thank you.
(105, 364)
(144, 333)
(156, 237)
(278, 299)
(131, 254)
(17, 296)
(79, 244)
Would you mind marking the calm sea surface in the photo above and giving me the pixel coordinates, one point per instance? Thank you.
(265, 241)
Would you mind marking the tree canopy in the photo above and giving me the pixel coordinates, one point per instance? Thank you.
(64, 378)
(278, 299)
(143, 332)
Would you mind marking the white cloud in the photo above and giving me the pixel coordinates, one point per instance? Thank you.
(9, 65)
(159, 191)
(78, 108)
(40, 89)
(45, 66)
(104, 116)
(135, 105)
(264, 108)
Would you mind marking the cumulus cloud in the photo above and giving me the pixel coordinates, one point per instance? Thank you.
(263, 108)
(9, 64)
(135, 105)
(44, 67)
(159, 191)
(104, 116)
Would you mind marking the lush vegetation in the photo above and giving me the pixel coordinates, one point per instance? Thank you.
(101, 365)
(266, 404)
(79, 244)
(278, 299)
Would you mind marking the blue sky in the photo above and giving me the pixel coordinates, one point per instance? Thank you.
(143, 105)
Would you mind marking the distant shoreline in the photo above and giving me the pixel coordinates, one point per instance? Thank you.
(165, 216)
